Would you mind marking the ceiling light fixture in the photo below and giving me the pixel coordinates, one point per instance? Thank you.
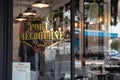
(20, 16)
(29, 11)
(40, 4)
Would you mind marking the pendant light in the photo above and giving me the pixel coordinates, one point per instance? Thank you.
(40, 4)
(29, 11)
(20, 16)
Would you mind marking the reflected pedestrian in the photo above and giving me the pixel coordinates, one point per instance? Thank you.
(29, 51)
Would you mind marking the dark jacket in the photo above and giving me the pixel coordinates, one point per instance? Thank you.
(27, 54)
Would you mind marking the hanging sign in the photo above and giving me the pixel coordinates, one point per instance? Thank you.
(21, 71)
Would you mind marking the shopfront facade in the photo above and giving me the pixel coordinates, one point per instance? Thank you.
(67, 37)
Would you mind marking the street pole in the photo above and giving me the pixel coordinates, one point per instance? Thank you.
(107, 20)
(82, 36)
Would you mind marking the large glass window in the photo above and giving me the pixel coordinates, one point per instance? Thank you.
(42, 41)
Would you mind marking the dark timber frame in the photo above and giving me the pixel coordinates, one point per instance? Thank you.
(72, 37)
(6, 18)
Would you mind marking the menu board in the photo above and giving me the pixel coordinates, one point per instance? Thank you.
(21, 71)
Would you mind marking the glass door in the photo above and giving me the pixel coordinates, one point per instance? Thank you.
(41, 42)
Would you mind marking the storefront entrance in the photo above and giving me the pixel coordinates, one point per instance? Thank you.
(66, 40)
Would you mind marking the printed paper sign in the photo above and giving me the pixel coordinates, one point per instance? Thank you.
(21, 71)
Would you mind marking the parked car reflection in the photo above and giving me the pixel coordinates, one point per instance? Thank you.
(112, 52)
(116, 59)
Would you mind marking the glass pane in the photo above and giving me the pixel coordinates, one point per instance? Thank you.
(100, 39)
(41, 43)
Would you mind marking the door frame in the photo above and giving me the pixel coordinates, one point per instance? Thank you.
(6, 33)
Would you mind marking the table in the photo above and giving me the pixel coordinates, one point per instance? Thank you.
(100, 75)
(94, 67)
(112, 69)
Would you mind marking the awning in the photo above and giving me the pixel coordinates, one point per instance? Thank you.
(101, 34)
(98, 33)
